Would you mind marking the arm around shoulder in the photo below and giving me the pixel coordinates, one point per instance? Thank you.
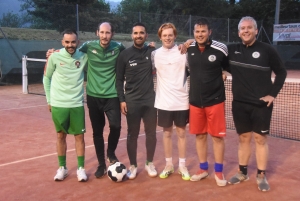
(120, 76)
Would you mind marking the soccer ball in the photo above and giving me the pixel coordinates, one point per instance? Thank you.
(116, 172)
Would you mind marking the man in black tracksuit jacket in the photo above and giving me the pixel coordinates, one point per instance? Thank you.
(206, 59)
(134, 67)
(251, 65)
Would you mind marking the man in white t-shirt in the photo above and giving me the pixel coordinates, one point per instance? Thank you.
(172, 100)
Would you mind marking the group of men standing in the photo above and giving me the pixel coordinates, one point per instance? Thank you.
(121, 80)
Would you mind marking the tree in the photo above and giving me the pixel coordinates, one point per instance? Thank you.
(290, 9)
(61, 14)
(11, 20)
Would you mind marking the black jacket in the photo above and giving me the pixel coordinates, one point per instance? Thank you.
(134, 66)
(251, 68)
(206, 83)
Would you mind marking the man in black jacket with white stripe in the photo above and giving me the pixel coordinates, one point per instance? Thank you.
(206, 59)
(251, 65)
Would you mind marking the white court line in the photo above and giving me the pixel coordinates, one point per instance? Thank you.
(43, 156)
(23, 107)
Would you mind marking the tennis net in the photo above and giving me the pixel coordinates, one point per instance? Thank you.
(286, 111)
(285, 121)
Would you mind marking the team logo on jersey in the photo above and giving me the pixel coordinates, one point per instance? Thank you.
(255, 55)
(95, 51)
(77, 63)
(212, 58)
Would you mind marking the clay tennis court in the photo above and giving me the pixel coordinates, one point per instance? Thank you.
(28, 162)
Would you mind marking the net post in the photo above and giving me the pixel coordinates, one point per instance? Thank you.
(24, 75)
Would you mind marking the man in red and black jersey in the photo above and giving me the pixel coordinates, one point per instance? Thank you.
(206, 59)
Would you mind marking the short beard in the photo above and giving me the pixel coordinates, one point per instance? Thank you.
(72, 49)
(139, 45)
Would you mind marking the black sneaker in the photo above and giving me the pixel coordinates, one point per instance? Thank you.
(101, 171)
(112, 159)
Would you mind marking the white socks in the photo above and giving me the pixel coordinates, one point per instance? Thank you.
(181, 162)
(169, 161)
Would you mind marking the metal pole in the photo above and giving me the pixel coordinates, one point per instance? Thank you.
(77, 18)
(277, 12)
(228, 32)
(140, 17)
(190, 26)
(24, 75)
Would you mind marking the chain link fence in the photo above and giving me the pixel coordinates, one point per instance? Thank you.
(37, 35)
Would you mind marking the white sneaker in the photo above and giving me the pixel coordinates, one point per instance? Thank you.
(169, 169)
(151, 169)
(81, 176)
(220, 182)
(131, 174)
(61, 173)
(201, 174)
(185, 175)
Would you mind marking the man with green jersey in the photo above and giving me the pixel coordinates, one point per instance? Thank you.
(63, 84)
(102, 94)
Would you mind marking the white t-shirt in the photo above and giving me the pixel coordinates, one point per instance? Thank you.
(171, 89)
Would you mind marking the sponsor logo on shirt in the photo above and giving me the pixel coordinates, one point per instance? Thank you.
(131, 61)
(265, 131)
(95, 51)
(236, 52)
(133, 64)
(212, 58)
(255, 55)
(113, 52)
(146, 57)
(192, 54)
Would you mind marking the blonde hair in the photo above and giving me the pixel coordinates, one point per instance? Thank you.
(166, 26)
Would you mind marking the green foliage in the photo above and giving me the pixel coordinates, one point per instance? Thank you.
(61, 14)
(11, 20)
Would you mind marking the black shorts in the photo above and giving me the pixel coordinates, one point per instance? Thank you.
(249, 117)
(166, 118)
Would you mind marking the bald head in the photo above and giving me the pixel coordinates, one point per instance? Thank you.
(106, 24)
(105, 33)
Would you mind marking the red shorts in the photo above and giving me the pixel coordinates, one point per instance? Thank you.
(208, 120)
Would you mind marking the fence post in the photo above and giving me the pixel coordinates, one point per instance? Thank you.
(228, 31)
(24, 75)
(190, 26)
(77, 20)
(140, 17)
(277, 12)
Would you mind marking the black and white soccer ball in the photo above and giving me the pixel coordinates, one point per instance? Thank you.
(117, 172)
